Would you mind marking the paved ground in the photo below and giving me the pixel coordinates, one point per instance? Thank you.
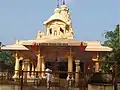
(13, 87)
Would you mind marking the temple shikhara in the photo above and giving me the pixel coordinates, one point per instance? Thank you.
(56, 46)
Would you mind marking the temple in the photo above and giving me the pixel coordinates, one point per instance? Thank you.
(56, 45)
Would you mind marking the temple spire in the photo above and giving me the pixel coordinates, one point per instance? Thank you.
(63, 2)
(58, 3)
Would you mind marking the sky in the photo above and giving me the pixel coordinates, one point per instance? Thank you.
(22, 19)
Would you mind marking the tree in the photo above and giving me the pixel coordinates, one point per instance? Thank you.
(113, 41)
(7, 59)
(6, 56)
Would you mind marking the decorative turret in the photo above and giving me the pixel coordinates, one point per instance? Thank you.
(40, 35)
(59, 24)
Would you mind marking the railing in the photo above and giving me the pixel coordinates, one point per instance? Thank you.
(36, 80)
(76, 79)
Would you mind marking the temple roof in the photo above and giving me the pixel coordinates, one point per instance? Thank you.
(14, 47)
(96, 46)
(59, 16)
(91, 45)
(56, 16)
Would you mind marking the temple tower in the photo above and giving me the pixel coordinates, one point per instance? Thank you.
(59, 25)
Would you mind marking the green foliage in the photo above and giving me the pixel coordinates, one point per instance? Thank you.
(113, 41)
(7, 58)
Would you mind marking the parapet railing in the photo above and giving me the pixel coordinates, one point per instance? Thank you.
(75, 80)
(60, 78)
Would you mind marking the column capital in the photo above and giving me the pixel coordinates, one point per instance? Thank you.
(21, 58)
(16, 54)
(77, 62)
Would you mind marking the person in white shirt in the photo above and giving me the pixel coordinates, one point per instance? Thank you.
(48, 76)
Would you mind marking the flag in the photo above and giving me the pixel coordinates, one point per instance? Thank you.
(34, 47)
(82, 47)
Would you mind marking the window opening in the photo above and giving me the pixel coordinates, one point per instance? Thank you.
(61, 30)
(50, 31)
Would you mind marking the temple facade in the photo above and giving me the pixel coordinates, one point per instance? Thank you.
(56, 45)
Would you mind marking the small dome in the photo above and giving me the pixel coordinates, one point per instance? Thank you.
(63, 7)
(57, 10)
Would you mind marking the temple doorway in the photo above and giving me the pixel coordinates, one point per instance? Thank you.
(61, 66)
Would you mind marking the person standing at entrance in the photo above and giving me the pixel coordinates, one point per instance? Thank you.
(48, 76)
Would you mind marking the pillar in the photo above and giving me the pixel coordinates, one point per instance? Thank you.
(43, 67)
(28, 69)
(77, 62)
(96, 60)
(16, 75)
(32, 73)
(23, 65)
(96, 66)
(97, 63)
(70, 65)
(39, 63)
(25, 74)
